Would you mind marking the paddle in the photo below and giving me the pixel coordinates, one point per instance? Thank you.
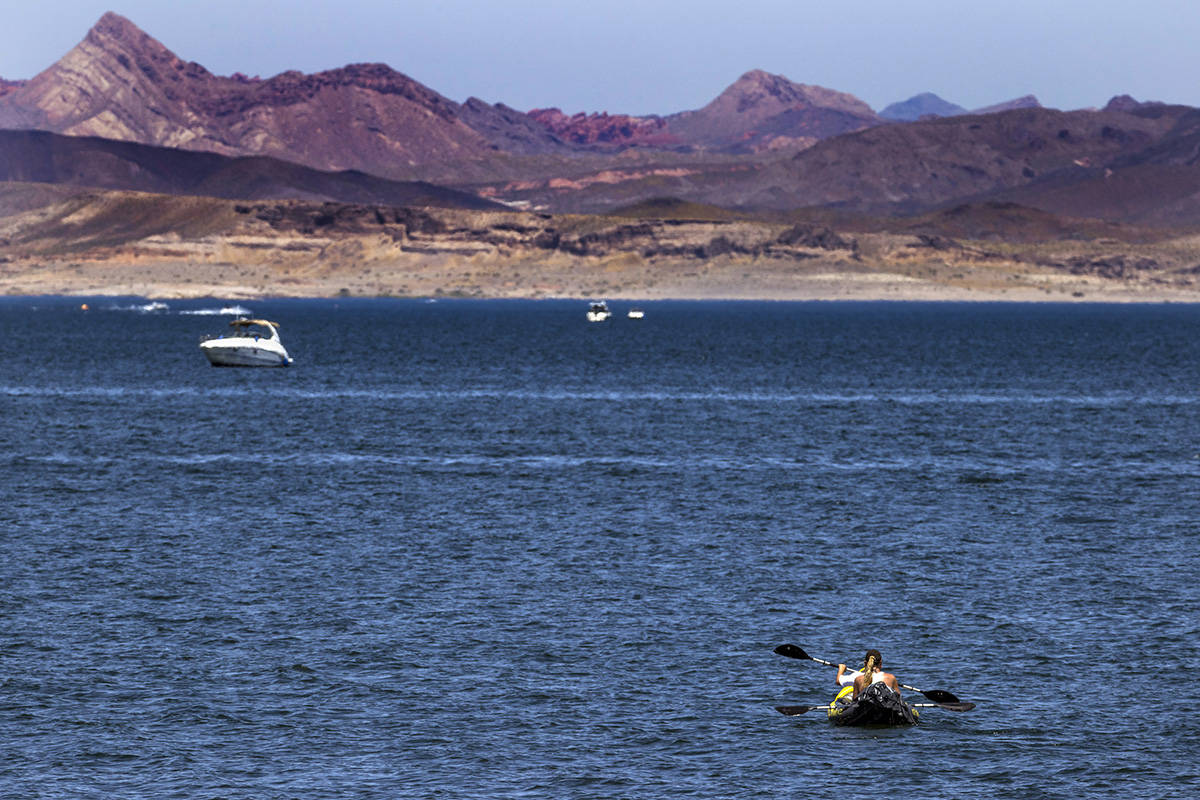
(939, 696)
(795, 711)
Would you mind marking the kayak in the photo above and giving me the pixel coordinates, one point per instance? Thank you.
(876, 705)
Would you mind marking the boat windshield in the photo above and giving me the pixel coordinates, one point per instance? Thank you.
(253, 328)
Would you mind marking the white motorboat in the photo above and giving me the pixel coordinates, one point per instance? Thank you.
(253, 343)
(636, 313)
(598, 312)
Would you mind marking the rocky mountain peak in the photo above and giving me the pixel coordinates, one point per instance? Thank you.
(1028, 101)
(291, 87)
(120, 83)
(1124, 102)
(114, 26)
(760, 110)
(926, 104)
(121, 40)
(760, 92)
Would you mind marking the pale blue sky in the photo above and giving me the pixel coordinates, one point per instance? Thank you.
(661, 56)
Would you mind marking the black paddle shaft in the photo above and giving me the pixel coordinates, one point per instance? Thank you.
(795, 711)
(794, 651)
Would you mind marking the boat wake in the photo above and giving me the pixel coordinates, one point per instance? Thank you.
(158, 306)
(802, 399)
(223, 311)
(141, 308)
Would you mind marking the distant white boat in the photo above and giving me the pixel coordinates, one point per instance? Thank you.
(598, 312)
(636, 313)
(253, 343)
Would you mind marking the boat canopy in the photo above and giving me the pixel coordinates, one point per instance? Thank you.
(245, 322)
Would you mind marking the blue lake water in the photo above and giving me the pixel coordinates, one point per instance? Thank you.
(485, 549)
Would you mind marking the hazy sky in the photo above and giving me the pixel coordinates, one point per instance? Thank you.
(661, 56)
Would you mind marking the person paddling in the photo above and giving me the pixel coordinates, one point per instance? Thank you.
(845, 678)
(872, 673)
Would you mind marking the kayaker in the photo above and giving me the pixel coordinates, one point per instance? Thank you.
(872, 673)
(845, 678)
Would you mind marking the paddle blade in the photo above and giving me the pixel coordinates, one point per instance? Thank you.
(792, 651)
(795, 711)
(940, 696)
(947, 706)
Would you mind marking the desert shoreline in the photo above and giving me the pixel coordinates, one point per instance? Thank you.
(621, 277)
(102, 243)
(722, 282)
(883, 295)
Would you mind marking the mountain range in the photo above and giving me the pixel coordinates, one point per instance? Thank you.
(120, 83)
(120, 110)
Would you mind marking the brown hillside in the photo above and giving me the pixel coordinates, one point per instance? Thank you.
(1159, 195)
(1116, 166)
(996, 221)
(37, 156)
(924, 164)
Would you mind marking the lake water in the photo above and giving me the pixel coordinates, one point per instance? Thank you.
(485, 549)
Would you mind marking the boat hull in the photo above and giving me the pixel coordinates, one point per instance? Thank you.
(229, 353)
(877, 705)
(598, 312)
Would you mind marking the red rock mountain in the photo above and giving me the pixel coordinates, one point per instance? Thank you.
(7, 87)
(119, 83)
(620, 130)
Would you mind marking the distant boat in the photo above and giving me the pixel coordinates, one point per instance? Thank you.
(253, 343)
(598, 312)
(636, 313)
